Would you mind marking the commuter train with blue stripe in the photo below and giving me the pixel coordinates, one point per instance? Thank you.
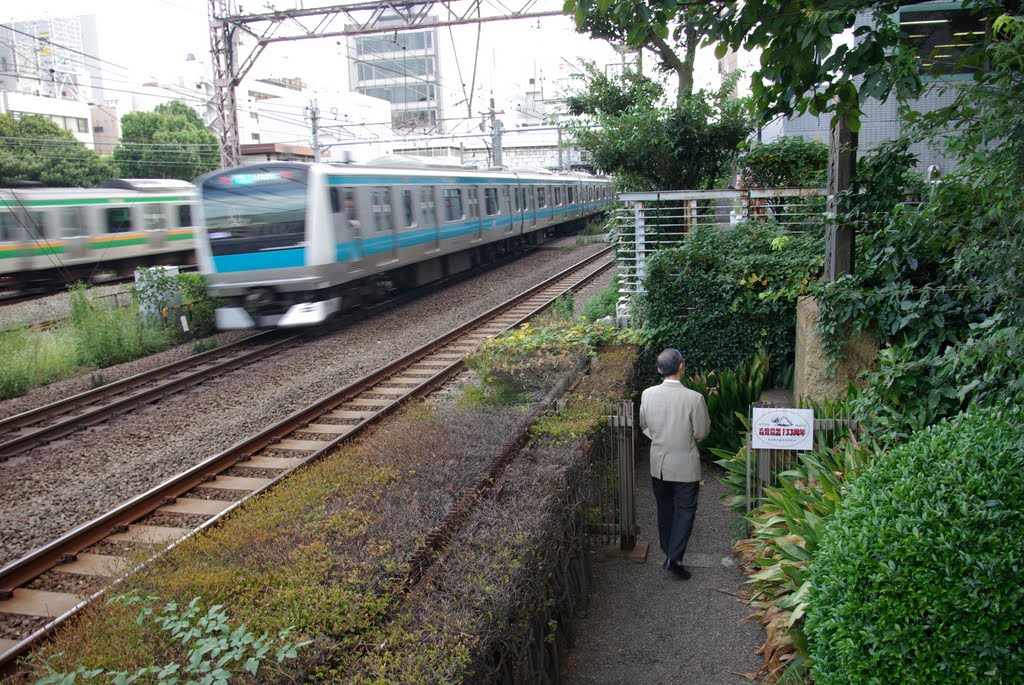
(288, 244)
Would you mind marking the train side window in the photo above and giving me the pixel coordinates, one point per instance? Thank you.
(490, 201)
(153, 217)
(380, 200)
(71, 222)
(184, 216)
(518, 198)
(407, 212)
(119, 219)
(473, 200)
(506, 195)
(10, 228)
(558, 196)
(569, 191)
(542, 196)
(428, 208)
(452, 204)
(332, 194)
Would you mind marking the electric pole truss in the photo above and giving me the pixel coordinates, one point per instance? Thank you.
(228, 28)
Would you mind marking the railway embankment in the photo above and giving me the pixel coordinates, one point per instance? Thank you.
(361, 561)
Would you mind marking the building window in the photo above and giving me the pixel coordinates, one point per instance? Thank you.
(97, 129)
(940, 36)
(256, 137)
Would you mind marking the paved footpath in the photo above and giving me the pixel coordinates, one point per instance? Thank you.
(644, 626)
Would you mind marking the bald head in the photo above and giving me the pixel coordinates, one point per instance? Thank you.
(669, 362)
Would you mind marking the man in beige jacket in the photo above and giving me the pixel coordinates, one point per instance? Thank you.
(675, 418)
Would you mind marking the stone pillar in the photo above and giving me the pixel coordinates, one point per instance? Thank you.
(811, 377)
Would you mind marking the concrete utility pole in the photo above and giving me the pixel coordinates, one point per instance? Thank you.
(840, 241)
(496, 142)
(314, 119)
(356, 19)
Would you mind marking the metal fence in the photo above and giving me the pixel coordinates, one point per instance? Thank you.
(764, 466)
(612, 498)
(647, 222)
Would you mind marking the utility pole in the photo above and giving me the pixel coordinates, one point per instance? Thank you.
(496, 141)
(840, 241)
(314, 119)
(560, 166)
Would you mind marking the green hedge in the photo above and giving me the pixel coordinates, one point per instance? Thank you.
(725, 293)
(917, 578)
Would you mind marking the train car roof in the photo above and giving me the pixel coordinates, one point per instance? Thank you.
(146, 184)
(391, 167)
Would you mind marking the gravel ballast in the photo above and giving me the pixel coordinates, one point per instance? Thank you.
(55, 488)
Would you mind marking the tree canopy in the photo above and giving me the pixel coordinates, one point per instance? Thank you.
(170, 142)
(802, 69)
(35, 149)
(630, 132)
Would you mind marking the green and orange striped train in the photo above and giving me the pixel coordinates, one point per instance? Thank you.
(53, 236)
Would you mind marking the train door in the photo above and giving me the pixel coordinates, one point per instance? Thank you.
(428, 218)
(506, 209)
(152, 218)
(405, 217)
(531, 206)
(71, 228)
(518, 218)
(385, 237)
(473, 209)
(348, 229)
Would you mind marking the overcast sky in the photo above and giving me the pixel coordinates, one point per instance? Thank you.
(150, 40)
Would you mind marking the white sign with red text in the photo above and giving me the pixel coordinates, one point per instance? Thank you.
(783, 429)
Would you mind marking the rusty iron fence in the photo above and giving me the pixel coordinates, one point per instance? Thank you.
(611, 502)
(647, 222)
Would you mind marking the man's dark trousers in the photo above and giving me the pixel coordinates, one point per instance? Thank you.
(677, 506)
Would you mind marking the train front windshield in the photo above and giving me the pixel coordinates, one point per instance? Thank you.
(255, 209)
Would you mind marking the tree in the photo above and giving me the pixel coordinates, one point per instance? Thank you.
(35, 149)
(629, 132)
(170, 142)
(672, 30)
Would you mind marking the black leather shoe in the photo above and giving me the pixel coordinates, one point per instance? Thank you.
(679, 572)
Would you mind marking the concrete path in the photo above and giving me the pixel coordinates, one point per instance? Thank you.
(644, 626)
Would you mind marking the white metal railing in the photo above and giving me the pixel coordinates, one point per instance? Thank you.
(647, 222)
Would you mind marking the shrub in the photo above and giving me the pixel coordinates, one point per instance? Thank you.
(917, 575)
(724, 294)
(727, 393)
(108, 336)
(787, 162)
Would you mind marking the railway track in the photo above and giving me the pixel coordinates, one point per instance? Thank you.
(330, 420)
(36, 427)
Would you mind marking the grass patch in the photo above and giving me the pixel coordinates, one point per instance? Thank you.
(602, 304)
(33, 358)
(95, 337)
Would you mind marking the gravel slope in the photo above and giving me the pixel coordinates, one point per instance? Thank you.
(62, 485)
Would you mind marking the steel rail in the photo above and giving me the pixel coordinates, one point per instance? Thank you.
(65, 548)
(28, 440)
